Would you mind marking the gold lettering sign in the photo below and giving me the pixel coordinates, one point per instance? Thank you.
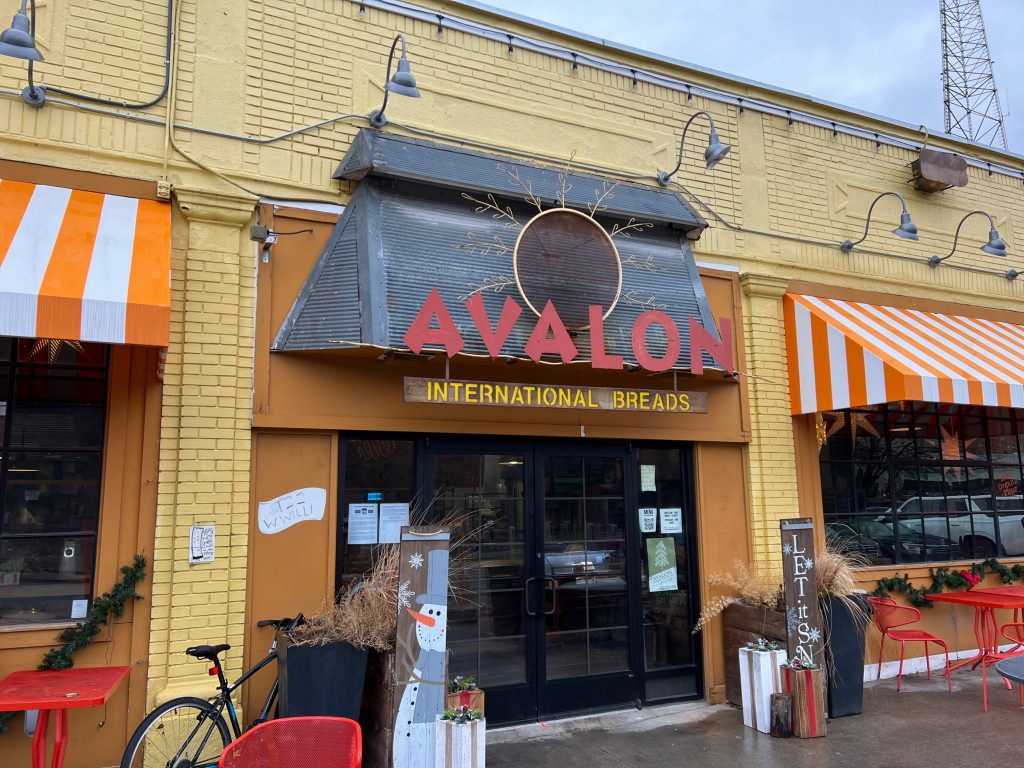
(459, 392)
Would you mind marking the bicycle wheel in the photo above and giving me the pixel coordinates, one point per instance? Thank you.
(181, 733)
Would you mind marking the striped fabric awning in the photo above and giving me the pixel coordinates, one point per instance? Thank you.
(844, 354)
(83, 265)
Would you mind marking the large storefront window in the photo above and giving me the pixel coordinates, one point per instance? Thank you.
(52, 402)
(915, 482)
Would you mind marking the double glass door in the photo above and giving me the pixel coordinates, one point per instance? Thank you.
(544, 614)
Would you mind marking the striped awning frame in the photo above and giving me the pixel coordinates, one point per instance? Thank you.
(845, 354)
(83, 265)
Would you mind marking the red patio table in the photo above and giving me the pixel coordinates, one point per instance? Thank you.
(57, 691)
(986, 628)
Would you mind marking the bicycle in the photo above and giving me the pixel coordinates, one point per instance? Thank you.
(189, 732)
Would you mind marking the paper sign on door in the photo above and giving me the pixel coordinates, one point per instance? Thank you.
(648, 519)
(661, 565)
(671, 520)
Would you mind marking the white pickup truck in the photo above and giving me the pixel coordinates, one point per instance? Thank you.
(971, 521)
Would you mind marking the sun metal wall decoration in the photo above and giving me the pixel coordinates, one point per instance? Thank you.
(561, 254)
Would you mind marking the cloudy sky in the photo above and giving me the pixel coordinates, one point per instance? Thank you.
(881, 56)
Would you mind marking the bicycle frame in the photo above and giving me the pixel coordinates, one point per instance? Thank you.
(223, 699)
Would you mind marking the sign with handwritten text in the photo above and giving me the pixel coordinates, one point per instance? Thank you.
(290, 508)
(799, 579)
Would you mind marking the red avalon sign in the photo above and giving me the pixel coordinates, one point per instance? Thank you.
(434, 327)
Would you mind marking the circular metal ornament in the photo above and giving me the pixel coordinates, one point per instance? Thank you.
(565, 256)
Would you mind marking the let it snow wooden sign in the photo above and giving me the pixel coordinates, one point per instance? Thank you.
(799, 579)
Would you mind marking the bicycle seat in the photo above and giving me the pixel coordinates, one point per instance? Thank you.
(207, 651)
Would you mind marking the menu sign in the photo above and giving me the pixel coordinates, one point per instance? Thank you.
(799, 579)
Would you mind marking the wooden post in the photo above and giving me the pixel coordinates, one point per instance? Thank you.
(800, 581)
(782, 715)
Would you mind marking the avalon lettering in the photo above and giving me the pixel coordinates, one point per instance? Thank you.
(433, 326)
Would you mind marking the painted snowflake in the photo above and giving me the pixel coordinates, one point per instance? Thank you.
(415, 560)
(792, 619)
(404, 593)
(815, 635)
(808, 564)
(787, 549)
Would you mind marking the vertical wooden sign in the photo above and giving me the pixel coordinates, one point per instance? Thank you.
(420, 644)
(799, 579)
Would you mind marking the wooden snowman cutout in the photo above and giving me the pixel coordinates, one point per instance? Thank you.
(423, 698)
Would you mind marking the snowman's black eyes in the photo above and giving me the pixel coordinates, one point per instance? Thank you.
(431, 612)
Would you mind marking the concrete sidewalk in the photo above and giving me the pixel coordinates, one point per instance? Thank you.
(921, 727)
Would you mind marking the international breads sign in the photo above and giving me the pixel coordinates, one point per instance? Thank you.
(462, 392)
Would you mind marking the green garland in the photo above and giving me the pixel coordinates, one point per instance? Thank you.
(82, 634)
(943, 579)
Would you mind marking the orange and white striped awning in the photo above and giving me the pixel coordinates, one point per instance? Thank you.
(83, 266)
(844, 354)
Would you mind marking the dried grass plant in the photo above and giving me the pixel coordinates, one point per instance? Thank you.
(365, 613)
(837, 576)
(752, 586)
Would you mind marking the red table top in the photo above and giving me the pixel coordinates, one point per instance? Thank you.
(52, 689)
(998, 597)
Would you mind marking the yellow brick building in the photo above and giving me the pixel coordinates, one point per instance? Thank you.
(261, 102)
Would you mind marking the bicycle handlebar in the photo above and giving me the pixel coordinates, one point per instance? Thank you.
(286, 622)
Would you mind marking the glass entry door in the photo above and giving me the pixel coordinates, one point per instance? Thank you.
(583, 573)
(542, 611)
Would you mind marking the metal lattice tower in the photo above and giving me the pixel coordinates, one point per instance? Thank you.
(969, 87)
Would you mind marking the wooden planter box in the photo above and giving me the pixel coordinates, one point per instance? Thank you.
(805, 686)
(740, 624)
(760, 677)
(473, 699)
(460, 746)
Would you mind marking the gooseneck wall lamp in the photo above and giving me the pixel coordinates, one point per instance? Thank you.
(712, 155)
(994, 247)
(907, 229)
(19, 39)
(402, 82)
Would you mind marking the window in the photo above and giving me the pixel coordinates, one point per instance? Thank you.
(924, 482)
(52, 409)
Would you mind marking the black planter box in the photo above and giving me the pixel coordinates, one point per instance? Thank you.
(844, 656)
(320, 679)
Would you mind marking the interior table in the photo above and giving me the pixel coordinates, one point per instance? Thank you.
(986, 629)
(57, 691)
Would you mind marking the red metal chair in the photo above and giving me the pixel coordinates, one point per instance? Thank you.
(888, 615)
(297, 742)
(1014, 632)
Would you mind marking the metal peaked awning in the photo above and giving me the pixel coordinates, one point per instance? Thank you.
(83, 266)
(408, 229)
(845, 354)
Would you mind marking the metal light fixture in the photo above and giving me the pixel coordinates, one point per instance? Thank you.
(994, 247)
(19, 39)
(401, 83)
(712, 155)
(907, 229)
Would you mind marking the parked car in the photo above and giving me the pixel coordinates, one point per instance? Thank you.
(974, 529)
(877, 540)
(845, 538)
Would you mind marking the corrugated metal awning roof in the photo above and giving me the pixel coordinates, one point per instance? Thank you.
(405, 233)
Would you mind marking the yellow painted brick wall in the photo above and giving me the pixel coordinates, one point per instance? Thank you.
(264, 67)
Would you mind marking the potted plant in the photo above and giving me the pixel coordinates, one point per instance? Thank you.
(802, 681)
(760, 664)
(461, 735)
(845, 613)
(462, 692)
(322, 663)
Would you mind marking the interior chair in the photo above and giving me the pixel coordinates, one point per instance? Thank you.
(297, 742)
(888, 615)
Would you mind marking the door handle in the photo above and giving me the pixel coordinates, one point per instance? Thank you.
(554, 596)
(526, 595)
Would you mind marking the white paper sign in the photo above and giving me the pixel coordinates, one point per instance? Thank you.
(200, 543)
(671, 520)
(392, 518)
(648, 519)
(647, 483)
(362, 523)
(290, 508)
(79, 608)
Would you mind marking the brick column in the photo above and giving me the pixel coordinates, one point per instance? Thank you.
(204, 442)
(773, 489)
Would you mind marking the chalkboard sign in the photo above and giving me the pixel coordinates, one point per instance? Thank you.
(799, 579)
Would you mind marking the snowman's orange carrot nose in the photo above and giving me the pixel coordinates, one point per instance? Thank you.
(428, 621)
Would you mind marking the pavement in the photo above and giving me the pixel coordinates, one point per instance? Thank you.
(923, 726)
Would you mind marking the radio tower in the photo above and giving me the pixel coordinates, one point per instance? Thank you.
(968, 85)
